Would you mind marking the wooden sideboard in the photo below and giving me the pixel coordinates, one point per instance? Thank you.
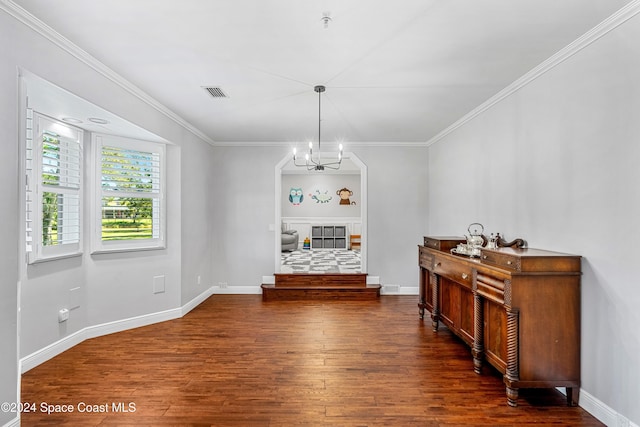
(518, 309)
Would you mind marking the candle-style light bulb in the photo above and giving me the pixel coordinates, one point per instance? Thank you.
(294, 153)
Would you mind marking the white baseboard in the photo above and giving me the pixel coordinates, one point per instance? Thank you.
(238, 290)
(602, 412)
(13, 423)
(399, 290)
(199, 299)
(64, 344)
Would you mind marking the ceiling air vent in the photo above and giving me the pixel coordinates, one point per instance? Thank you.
(216, 92)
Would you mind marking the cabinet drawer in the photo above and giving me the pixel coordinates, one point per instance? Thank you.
(425, 259)
(456, 271)
(490, 288)
(442, 243)
(503, 260)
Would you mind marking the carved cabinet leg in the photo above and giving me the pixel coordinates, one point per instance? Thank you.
(423, 292)
(478, 335)
(435, 314)
(512, 396)
(573, 398)
(513, 371)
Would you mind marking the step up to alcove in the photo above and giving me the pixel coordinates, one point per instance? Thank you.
(301, 286)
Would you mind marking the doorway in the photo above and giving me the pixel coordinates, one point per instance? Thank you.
(354, 226)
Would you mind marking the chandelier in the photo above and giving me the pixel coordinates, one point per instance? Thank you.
(316, 162)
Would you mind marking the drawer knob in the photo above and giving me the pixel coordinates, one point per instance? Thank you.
(465, 275)
(438, 264)
(508, 262)
(484, 257)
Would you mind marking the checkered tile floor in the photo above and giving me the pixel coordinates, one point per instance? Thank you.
(321, 261)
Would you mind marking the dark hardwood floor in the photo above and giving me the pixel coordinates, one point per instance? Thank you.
(238, 361)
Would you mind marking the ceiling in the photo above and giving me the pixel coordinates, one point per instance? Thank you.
(395, 71)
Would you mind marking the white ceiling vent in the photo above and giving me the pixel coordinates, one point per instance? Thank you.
(216, 92)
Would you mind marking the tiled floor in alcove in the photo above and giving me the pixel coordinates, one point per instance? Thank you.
(321, 261)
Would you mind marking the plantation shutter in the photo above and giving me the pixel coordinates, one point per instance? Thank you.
(30, 185)
(54, 184)
(130, 171)
(130, 194)
(131, 177)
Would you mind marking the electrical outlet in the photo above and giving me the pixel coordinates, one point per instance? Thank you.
(199, 280)
(222, 284)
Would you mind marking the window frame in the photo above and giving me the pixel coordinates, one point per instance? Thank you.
(98, 245)
(37, 125)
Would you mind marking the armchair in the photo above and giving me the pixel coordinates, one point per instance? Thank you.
(290, 240)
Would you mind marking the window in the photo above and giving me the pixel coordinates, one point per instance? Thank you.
(129, 194)
(54, 189)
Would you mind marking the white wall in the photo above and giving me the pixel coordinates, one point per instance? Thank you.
(244, 205)
(397, 211)
(557, 164)
(245, 249)
(113, 287)
(9, 375)
(198, 229)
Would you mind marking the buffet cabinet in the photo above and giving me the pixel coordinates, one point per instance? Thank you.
(517, 308)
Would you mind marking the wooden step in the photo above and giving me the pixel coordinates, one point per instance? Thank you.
(319, 279)
(320, 287)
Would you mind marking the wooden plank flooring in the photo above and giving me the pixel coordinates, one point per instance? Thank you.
(238, 361)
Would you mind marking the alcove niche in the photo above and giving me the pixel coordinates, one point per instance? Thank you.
(352, 171)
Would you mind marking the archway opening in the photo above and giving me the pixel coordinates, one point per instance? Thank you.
(320, 196)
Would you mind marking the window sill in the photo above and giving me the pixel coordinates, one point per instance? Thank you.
(40, 260)
(125, 249)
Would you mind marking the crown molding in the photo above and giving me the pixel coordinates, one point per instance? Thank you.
(68, 46)
(609, 24)
(618, 18)
(293, 143)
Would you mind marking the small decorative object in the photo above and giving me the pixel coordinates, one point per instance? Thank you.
(493, 242)
(321, 197)
(515, 243)
(306, 244)
(295, 196)
(344, 194)
(475, 241)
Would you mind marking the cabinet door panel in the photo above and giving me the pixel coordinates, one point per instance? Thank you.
(466, 314)
(429, 292)
(426, 289)
(450, 302)
(495, 335)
